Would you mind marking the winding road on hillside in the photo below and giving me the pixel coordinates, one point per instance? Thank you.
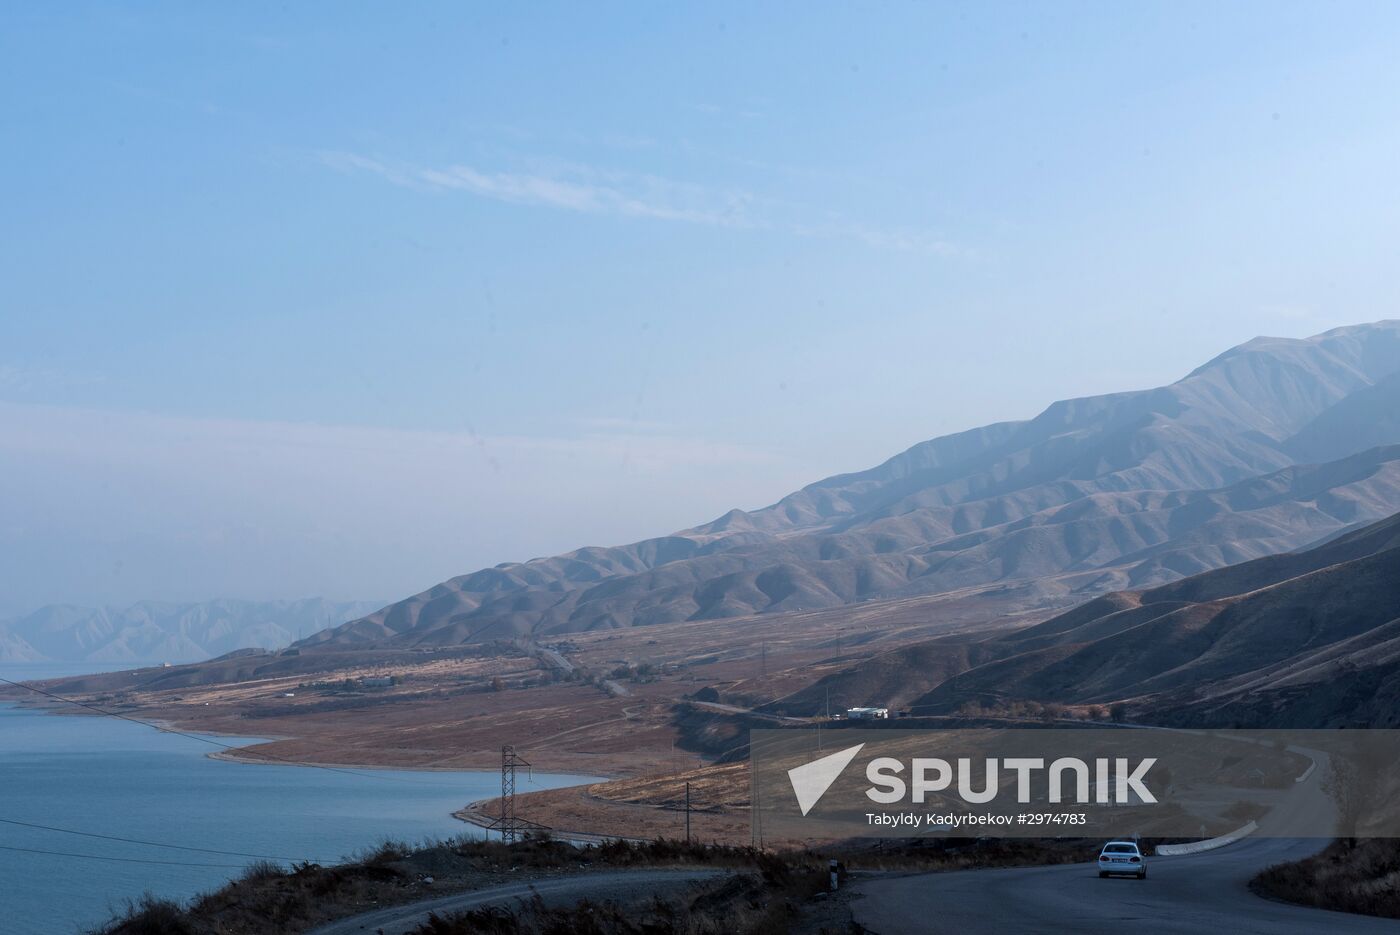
(622, 886)
(1188, 894)
(1195, 893)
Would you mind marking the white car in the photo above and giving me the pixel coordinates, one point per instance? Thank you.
(1122, 857)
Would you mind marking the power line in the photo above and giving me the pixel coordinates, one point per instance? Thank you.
(120, 860)
(178, 847)
(208, 740)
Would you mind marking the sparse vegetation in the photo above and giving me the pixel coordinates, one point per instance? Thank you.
(269, 898)
(260, 871)
(763, 902)
(150, 916)
(1348, 876)
(766, 894)
(385, 853)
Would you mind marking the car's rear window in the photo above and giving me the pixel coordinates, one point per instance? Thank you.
(1119, 849)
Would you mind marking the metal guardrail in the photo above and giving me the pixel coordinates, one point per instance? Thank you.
(1210, 844)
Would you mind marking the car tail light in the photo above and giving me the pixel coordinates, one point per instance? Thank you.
(1134, 859)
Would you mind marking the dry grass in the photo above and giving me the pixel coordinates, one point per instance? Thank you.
(270, 899)
(443, 713)
(764, 902)
(770, 899)
(766, 894)
(1348, 876)
(150, 916)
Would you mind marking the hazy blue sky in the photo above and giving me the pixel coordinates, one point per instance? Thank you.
(344, 299)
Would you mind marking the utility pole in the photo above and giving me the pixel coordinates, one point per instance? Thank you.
(509, 761)
(687, 813)
(763, 655)
(756, 806)
(509, 824)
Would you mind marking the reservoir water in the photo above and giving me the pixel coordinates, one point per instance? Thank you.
(105, 776)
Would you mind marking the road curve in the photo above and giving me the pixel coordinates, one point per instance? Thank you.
(1188, 894)
(620, 885)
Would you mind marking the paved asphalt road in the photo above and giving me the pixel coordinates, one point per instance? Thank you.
(1206, 892)
(1189, 894)
(620, 885)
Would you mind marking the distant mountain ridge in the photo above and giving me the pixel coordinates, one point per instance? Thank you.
(1268, 447)
(153, 631)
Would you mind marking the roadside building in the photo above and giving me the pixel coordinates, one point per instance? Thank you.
(867, 714)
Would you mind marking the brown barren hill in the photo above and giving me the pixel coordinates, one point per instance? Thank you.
(1247, 456)
(1289, 640)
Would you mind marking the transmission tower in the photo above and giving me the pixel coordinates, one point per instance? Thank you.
(509, 824)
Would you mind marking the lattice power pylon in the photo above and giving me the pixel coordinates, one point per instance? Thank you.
(509, 824)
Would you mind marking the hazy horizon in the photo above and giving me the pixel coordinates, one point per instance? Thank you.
(303, 303)
(63, 433)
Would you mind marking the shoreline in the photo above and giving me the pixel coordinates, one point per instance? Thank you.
(234, 756)
(467, 814)
(65, 709)
(239, 754)
(639, 810)
(472, 815)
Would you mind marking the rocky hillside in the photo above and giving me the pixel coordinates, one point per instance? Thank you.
(1310, 638)
(1271, 446)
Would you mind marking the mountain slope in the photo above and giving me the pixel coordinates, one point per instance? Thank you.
(1365, 418)
(15, 649)
(1286, 640)
(154, 631)
(1123, 490)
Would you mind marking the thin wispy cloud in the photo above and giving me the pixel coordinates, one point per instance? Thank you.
(576, 189)
(586, 190)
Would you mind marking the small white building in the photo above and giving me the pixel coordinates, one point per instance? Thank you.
(867, 714)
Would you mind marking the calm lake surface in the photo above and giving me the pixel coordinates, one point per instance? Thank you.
(106, 776)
